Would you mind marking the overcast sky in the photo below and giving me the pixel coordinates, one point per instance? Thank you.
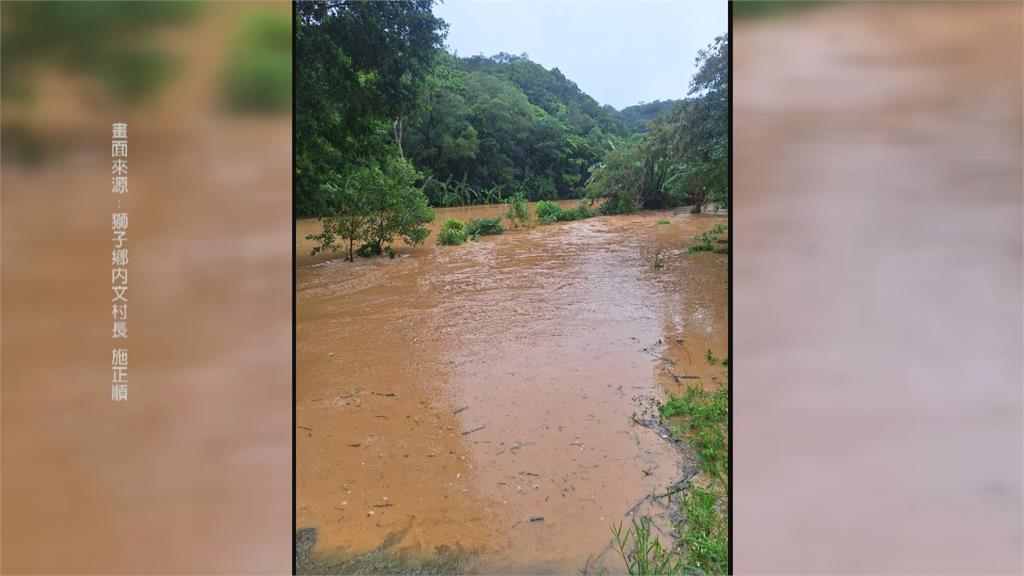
(619, 52)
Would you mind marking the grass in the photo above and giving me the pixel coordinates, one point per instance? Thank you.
(710, 357)
(703, 529)
(644, 553)
(663, 221)
(706, 537)
(709, 241)
(705, 421)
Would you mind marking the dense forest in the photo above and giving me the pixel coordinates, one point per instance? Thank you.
(637, 116)
(388, 124)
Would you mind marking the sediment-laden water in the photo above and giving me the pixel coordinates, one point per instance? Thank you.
(480, 397)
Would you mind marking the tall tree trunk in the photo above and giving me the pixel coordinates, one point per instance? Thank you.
(398, 128)
(698, 200)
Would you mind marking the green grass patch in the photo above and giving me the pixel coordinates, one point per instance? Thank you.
(643, 552)
(705, 535)
(703, 529)
(663, 221)
(705, 421)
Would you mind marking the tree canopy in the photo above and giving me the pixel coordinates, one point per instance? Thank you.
(379, 100)
(683, 158)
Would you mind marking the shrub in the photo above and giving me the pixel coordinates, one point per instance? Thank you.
(569, 215)
(549, 212)
(584, 210)
(453, 232)
(613, 206)
(368, 251)
(485, 227)
(518, 210)
(707, 241)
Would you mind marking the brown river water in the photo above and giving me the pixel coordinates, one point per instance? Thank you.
(450, 395)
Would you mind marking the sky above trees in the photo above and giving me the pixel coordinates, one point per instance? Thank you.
(619, 52)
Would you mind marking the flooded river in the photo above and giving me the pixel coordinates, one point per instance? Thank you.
(479, 397)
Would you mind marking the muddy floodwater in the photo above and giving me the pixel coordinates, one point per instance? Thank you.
(481, 397)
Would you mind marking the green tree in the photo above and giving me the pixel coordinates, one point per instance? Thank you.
(375, 205)
(360, 68)
(396, 207)
(683, 158)
(346, 222)
(698, 130)
(518, 212)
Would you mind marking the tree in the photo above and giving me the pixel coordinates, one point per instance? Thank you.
(348, 217)
(396, 207)
(684, 155)
(360, 67)
(375, 205)
(698, 130)
(493, 126)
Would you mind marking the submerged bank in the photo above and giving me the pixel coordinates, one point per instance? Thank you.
(481, 398)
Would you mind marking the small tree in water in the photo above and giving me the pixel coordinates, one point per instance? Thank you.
(518, 210)
(346, 222)
(373, 206)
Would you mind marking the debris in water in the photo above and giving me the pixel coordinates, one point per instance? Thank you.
(536, 518)
(355, 444)
(460, 409)
(477, 429)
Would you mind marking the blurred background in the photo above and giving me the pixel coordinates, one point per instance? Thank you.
(193, 473)
(877, 240)
(877, 260)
